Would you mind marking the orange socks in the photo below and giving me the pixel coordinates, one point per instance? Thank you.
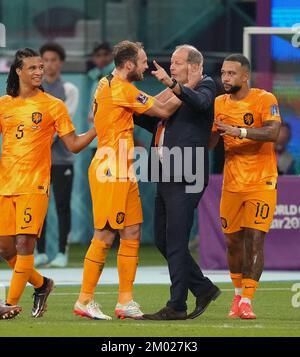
(36, 279)
(249, 287)
(244, 287)
(237, 282)
(93, 265)
(127, 266)
(22, 272)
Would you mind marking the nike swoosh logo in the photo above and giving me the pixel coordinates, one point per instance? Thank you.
(19, 272)
(258, 222)
(22, 227)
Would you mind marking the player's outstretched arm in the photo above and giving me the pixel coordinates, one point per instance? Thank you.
(75, 143)
(165, 95)
(164, 110)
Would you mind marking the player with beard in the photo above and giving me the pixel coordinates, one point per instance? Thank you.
(249, 121)
(115, 193)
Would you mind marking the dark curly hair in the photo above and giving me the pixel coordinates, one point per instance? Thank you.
(54, 47)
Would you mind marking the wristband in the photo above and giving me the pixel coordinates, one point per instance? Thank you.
(243, 133)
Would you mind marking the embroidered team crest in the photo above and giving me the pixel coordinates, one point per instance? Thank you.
(37, 117)
(274, 110)
(248, 118)
(142, 98)
(120, 217)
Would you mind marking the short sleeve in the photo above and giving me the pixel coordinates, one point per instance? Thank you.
(63, 123)
(131, 97)
(269, 108)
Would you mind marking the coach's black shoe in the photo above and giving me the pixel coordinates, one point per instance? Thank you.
(203, 301)
(166, 313)
(40, 297)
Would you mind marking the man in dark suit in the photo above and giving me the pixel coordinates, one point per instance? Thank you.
(179, 190)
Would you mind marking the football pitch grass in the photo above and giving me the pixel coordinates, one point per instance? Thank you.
(273, 306)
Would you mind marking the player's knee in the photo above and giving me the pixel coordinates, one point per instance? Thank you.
(106, 234)
(5, 254)
(232, 243)
(25, 244)
(7, 251)
(254, 239)
(131, 232)
(106, 237)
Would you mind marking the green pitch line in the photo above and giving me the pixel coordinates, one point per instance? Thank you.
(148, 256)
(273, 306)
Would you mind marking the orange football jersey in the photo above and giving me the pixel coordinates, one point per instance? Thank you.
(27, 127)
(249, 165)
(115, 102)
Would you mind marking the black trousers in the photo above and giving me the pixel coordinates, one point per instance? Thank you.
(173, 220)
(62, 182)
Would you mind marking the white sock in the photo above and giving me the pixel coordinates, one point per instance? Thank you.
(238, 291)
(246, 300)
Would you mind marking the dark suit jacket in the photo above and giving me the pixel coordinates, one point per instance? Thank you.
(190, 126)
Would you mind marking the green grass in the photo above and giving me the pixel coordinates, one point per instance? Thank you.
(148, 256)
(276, 316)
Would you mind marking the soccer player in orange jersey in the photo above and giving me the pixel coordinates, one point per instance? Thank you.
(248, 119)
(28, 120)
(115, 194)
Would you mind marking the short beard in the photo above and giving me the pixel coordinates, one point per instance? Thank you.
(133, 76)
(233, 89)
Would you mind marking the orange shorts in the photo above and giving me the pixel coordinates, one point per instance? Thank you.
(247, 210)
(117, 203)
(23, 214)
